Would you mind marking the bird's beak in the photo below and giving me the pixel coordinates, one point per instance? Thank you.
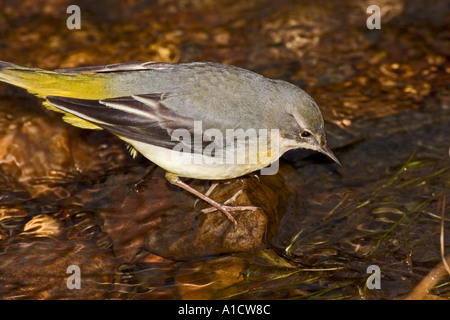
(327, 151)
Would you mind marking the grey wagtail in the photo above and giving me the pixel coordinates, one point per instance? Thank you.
(154, 107)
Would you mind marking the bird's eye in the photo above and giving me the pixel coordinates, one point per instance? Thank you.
(305, 134)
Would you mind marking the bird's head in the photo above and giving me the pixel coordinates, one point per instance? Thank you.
(304, 123)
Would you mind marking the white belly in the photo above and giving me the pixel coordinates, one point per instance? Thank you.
(202, 167)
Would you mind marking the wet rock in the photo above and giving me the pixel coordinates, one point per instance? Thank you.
(172, 225)
(200, 234)
(136, 210)
(33, 268)
(42, 225)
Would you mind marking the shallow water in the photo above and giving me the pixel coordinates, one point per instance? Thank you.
(75, 197)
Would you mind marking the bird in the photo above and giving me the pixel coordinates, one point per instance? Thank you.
(200, 120)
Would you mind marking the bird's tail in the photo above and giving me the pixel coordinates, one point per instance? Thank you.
(52, 83)
(43, 83)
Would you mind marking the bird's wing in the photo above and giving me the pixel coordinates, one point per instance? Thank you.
(118, 67)
(144, 118)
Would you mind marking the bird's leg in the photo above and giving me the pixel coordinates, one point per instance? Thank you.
(214, 184)
(175, 180)
(143, 179)
(234, 208)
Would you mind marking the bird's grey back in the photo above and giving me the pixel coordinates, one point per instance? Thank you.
(207, 91)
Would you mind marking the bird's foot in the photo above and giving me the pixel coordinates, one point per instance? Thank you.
(226, 209)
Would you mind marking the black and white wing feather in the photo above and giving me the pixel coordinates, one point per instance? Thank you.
(143, 118)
